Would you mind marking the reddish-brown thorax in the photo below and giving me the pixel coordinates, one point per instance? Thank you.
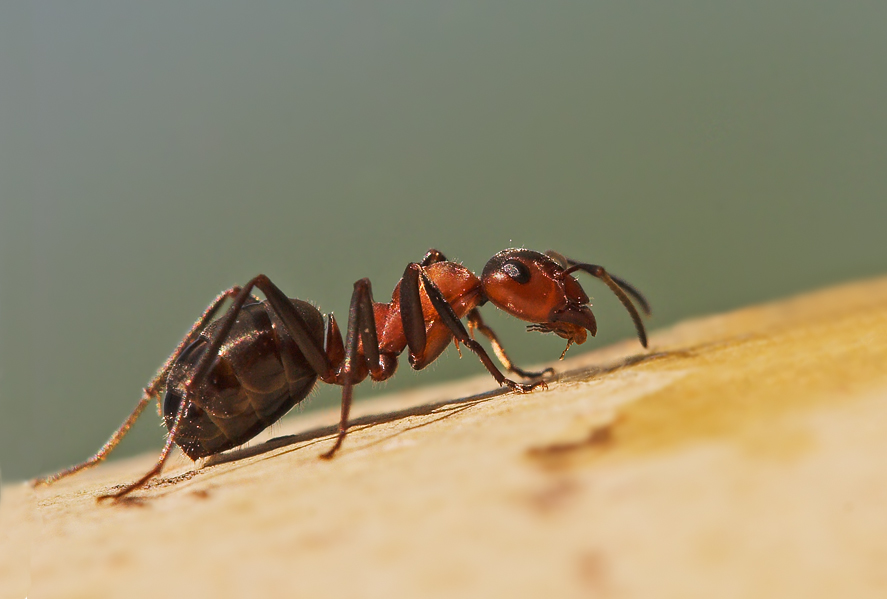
(459, 286)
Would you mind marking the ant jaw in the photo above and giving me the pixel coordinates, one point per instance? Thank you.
(565, 330)
(573, 317)
(572, 323)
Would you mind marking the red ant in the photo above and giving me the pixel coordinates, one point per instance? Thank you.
(231, 378)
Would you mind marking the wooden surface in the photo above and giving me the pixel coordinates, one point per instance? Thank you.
(744, 455)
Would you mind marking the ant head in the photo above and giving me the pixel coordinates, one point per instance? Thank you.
(534, 287)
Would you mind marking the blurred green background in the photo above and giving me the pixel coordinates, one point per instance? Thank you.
(713, 153)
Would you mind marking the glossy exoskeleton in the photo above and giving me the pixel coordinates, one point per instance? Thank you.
(231, 378)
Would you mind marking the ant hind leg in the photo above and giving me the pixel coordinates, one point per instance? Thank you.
(153, 390)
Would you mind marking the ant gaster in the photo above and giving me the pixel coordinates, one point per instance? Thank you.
(231, 378)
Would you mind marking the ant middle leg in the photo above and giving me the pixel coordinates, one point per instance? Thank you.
(361, 334)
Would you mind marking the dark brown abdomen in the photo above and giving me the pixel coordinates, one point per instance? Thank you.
(259, 375)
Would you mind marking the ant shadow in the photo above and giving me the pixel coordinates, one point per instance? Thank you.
(444, 409)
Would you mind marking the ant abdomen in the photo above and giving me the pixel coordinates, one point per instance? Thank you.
(257, 377)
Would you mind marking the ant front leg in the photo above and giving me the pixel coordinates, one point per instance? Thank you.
(475, 322)
(414, 324)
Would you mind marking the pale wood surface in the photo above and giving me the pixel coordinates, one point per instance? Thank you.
(744, 455)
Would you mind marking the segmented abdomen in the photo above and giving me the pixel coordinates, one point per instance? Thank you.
(258, 376)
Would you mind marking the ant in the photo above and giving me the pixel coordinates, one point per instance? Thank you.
(233, 377)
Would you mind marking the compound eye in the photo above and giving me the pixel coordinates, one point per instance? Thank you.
(517, 270)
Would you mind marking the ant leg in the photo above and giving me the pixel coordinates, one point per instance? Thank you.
(283, 307)
(295, 326)
(158, 466)
(151, 391)
(300, 332)
(292, 320)
(109, 445)
(476, 322)
(414, 324)
(360, 323)
(362, 327)
(160, 378)
(411, 304)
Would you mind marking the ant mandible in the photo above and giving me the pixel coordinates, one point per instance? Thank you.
(232, 378)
